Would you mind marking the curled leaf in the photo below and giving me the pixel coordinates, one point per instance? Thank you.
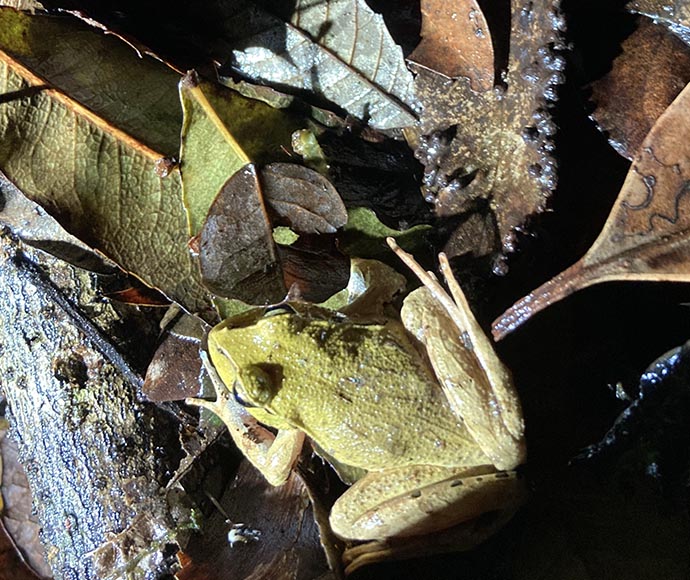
(303, 199)
(456, 42)
(646, 236)
(337, 49)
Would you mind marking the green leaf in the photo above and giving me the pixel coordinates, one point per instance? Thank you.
(337, 49)
(365, 236)
(97, 179)
(209, 154)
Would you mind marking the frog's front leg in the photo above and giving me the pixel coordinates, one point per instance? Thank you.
(273, 455)
(394, 508)
(477, 385)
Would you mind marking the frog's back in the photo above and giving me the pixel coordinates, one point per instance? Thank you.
(362, 392)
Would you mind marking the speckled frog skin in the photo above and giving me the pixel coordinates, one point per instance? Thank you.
(363, 393)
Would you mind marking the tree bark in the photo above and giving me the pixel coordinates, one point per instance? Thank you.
(93, 451)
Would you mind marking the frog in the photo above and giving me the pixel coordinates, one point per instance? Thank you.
(420, 404)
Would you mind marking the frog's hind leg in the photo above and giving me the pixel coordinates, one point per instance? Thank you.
(424, 509)
(477, 385)
(460, 538)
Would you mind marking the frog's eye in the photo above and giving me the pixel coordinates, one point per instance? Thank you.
(254, 387)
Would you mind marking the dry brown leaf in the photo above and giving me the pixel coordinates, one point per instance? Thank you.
(652, 69)
(647, 234)
(456, 42)
(492, 152)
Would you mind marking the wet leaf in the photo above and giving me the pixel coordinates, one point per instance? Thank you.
(492, 152)
(287, 544)
(237, 254)
(302, 199)
(33, 225)
(674, 13)
(96, 179)
(209, 153)
(646, 235)
(653, 68)
(456, 42)
(339, 50)
(313, 268)
(174, 371)
(11, 562)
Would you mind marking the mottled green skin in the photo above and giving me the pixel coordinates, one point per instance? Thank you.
(363, 393)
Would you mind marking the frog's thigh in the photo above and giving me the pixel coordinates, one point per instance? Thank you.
(416, 500)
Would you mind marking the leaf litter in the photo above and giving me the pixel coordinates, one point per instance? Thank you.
(481, 212)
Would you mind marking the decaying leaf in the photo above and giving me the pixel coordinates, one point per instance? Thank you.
(674, 13)
(34, 226)
(652, 69)
(456, 42)
(11, 561)
(286, 543)
(21, 553)
(173, 374)
(339, 50)
(313, 267)
(95, 178)
(492, 152)
(646, 236)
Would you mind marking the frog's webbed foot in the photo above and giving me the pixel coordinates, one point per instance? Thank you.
(462, 537)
